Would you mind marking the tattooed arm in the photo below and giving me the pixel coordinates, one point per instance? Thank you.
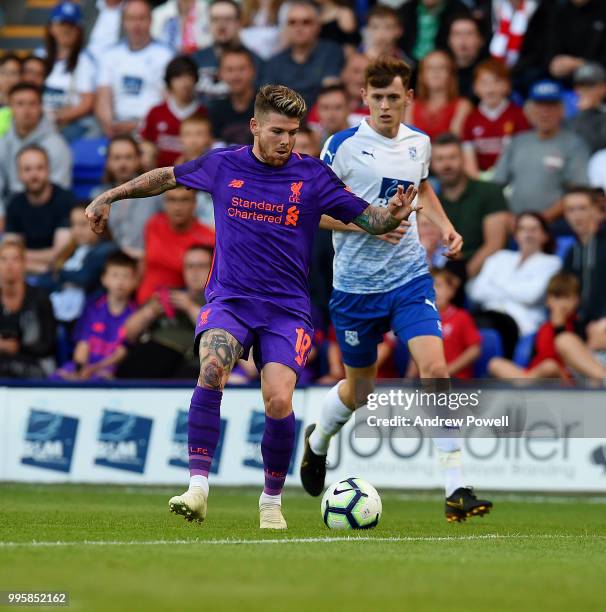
(379, 220)
(151, 183)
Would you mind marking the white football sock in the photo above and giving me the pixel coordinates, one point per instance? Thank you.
(333, 416)
(449, 453)
(270, 499)
(199, 481)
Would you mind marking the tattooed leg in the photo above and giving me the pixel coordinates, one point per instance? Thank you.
(219, 353)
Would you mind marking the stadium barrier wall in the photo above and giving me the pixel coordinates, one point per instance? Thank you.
(139, 436)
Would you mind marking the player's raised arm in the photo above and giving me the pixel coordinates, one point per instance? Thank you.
(380, 220)
(151, 183)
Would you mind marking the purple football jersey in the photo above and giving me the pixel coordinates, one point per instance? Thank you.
(265, 220)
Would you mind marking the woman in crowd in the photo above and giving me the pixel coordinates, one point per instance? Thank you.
(511, 286)
(437, 107)
(69, 89)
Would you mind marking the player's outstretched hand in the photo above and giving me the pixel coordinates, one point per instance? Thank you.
(401, 205)
(453, 241)
(97, 213)
(397, 234)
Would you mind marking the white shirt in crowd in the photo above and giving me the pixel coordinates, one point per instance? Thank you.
(597, 169)
(506, 284)
(136, 78)
(63, 88)
(106, 31)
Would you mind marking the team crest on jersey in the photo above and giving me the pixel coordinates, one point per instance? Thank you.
(412, 153)
(351, 337)
(295, 192)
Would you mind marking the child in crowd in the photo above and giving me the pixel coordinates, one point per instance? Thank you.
(558, 346)
(100, 332)
(462, 341)
(492, 124)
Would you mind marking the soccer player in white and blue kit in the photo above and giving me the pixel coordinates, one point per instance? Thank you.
(379, 286)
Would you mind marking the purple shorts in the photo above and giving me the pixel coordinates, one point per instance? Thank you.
(274, 333)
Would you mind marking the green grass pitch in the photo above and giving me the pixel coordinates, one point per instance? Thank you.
(118, 548)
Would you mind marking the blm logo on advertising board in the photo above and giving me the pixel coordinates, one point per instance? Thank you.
(179, 454)
(254, 437)
(123, 441)
(49, 440)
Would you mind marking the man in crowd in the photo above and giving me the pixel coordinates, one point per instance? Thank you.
(130, 76)
(31, 127)
(333, 111)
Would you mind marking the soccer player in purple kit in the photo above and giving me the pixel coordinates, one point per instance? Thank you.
(268, 203)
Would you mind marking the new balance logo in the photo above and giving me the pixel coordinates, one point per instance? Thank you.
(292, 216)
(237, 183)
(295, 192)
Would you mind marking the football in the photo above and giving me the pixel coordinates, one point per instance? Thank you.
(352, 503)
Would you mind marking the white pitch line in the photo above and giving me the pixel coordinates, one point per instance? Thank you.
(327, 540)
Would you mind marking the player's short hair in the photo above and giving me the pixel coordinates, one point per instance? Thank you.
(25, 86)
(232, 3)
(120, 259)
(382, 71)
(179, 66)
(446, 138)
(334, 88)
(492, 66)
(449, 277)
(33, 147)
(563, 284)
(280, 99)
(380, 11)
(589, 192)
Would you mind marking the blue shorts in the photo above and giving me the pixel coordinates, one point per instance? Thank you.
(360, 320)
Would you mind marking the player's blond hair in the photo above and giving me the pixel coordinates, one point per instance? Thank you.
(280, 99)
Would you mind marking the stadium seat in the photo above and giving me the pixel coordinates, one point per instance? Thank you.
(523, 351)
(492, 346)
(89, 163)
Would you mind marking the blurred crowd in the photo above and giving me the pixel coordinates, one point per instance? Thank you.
(511, 92)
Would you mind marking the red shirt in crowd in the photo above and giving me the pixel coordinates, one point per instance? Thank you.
(162, 126)
(489, 132)
(459, 332)
(434, 121)
(164, 251)
(545, 348)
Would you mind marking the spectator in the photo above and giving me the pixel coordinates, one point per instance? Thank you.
(27, 326)
(130, 81)
(382, 34)
(163, 122)
(511, 20)
(333, 111)
(339, 23)
(77, 268)
(494, 122)
(437, 107)
(308, 62)
(160, 333)
(587, 261)
(34, 71)
(225, 33)
(352, 77)
(590, 122)
(426, 25)
(10, 75)
(552, 156)
(128, 218)
(477, 209)
(261, 22)
(177, 226)
(99, 334)
(466, 44)
(462, 341)
(40, 214)
(597, 170)
(511, 285)
(69, 89)
(230, 117)
(104, 24)
(31, 127)
(307, 142)
(558, 345)
(182, 25)
(579, 37)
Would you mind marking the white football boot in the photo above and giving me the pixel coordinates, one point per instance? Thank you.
(191, 504)
(270, 517)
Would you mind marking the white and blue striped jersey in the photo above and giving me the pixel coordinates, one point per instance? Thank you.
(372, 166)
